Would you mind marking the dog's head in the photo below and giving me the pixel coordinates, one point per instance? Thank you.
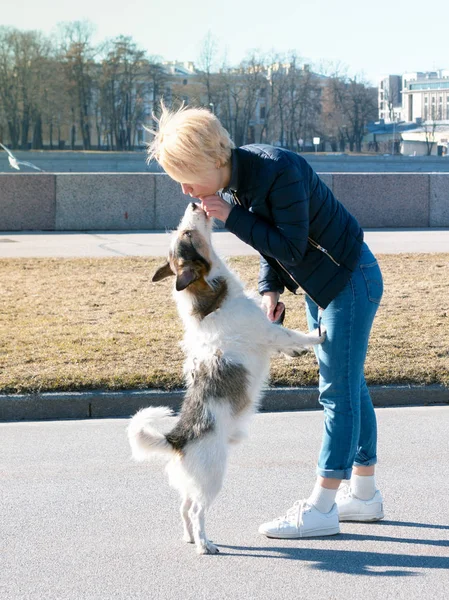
(190, 256)
(191, 260)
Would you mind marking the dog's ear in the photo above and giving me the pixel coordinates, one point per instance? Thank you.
(163, 272)
(187, 276)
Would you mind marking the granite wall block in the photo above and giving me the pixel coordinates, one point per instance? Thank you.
(439, 200)
(105, 201)
(385, 199)
(27, 202)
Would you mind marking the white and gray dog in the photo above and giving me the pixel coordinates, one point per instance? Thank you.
(228, 343)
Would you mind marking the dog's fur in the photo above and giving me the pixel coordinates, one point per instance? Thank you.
(228, 343)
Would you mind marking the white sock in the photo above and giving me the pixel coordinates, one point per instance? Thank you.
(322, 498)
(363, 486)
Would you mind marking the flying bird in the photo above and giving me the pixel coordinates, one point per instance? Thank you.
(15, 163)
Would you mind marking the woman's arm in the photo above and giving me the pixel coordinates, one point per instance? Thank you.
(285, 237)
(268, 279)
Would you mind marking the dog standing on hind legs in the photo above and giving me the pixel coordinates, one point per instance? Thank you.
(228, 343)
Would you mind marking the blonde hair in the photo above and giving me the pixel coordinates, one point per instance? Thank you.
(189, 141)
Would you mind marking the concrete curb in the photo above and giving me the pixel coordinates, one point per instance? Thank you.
(107, 404)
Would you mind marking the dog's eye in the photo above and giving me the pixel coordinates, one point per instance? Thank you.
(188, 233)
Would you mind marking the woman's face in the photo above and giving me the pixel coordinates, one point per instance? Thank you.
(205, 184)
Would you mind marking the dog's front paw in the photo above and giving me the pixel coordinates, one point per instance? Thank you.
(188, 538)
(207, 548)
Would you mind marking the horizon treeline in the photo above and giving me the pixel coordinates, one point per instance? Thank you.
(63, 91)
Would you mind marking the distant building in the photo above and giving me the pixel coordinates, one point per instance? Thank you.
(425, 96)
(386, 137)
(179, 75)
(431, 137)
(413, 114)
(390, 98)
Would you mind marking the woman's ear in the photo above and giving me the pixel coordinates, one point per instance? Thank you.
(163, 272)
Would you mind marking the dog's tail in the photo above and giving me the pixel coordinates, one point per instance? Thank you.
(143, 434)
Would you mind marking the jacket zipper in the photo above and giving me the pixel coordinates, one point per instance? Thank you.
(323, 250)
(313, 243)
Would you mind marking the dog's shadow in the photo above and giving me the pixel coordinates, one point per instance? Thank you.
(354, 562)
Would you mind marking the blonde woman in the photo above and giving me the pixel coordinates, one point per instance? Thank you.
(273, 200)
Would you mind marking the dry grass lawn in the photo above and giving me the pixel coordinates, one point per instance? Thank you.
(72, 324)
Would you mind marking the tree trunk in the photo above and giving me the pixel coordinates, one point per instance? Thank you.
(25, 130)
(37, 134)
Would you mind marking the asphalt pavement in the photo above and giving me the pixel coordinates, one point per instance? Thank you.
(80, 520)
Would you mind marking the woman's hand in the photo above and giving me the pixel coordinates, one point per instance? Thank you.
(216, 207)
(272, 306)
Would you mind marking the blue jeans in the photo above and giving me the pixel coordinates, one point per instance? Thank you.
(350, 428)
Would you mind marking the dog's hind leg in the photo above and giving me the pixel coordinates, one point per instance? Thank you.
(186, 522)
(197, 515)
(240, 427)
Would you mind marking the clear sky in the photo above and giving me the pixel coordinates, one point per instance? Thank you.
(375, 37)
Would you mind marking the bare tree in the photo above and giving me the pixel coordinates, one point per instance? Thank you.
(157, 80)
(22, 59)
(357, 103)
(429, 128)
(9, 91)
(303, 104)
(123, 88)
(332, 119)
(240, 88)
(77, 55)
(207, 65)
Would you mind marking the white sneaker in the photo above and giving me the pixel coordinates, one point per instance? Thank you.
(302, 520)
(351, 508)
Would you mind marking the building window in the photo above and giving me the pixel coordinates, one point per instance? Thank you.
(447, 107)
(262, 112)
(440, 108)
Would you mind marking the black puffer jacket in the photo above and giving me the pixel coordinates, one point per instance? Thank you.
(282, 209)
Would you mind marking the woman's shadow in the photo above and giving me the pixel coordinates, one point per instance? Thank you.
(356, 562)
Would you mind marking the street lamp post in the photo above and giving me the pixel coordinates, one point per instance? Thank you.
(393, 149)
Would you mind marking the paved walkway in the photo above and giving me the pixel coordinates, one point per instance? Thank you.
(81, 521)
(147, 243)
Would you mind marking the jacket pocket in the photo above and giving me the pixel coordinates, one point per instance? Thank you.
(374, 281)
